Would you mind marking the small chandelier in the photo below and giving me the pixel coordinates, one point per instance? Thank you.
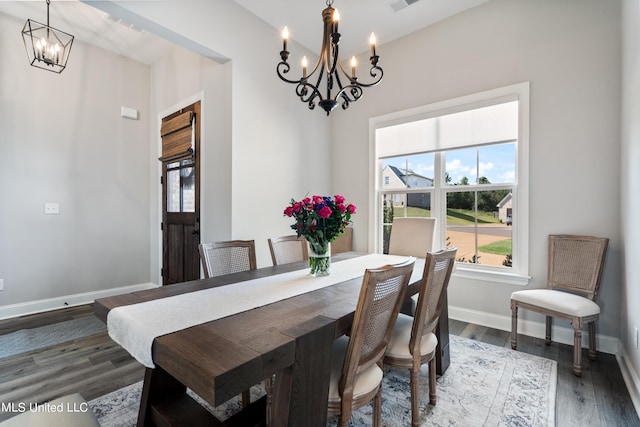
(348, 88)
(47, 48)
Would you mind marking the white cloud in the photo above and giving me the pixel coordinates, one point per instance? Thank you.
(485, 168)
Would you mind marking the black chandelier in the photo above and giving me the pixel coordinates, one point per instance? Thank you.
(329, 65)
(47, 48)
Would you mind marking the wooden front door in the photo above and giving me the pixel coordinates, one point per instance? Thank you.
(181, 195)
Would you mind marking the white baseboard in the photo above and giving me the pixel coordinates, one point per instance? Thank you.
(604, 343)
(39, 306)
(631, 379)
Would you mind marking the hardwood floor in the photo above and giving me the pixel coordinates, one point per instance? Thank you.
(95, 365)
(91, 366)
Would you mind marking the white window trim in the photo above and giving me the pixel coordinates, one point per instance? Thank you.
(520, 229)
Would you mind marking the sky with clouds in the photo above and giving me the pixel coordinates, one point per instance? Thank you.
(496, 163)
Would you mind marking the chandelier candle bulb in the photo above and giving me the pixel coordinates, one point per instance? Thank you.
(304, 66)
(336, 20)
(353, 67)
(285, 37)
(372, 41)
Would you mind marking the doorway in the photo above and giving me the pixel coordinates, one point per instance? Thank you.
(180, 181)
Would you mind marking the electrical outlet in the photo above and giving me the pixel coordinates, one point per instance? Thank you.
(51, 208)
(1, 284)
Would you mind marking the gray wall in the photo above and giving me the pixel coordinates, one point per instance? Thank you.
(62, 140)
(630, 201)
(570, 52)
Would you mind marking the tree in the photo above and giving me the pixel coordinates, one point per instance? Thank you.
(461, 200)
(488, 200)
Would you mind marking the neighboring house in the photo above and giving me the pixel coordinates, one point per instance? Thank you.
(504, 208)
(397, 178)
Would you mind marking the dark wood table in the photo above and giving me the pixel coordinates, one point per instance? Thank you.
(220, 359)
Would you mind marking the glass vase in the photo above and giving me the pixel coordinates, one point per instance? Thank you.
(319, 261)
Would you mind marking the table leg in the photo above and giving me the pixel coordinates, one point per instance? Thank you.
(442, 333)
(157, 386)
(165, 402)
(301, 391)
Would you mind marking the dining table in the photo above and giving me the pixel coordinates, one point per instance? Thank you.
(288, 338)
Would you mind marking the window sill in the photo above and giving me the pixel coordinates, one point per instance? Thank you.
(491, 276)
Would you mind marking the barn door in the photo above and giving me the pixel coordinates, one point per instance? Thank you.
(180, 159)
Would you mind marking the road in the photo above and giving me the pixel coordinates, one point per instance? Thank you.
(490, 230)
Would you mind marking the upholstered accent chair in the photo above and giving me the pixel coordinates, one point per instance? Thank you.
(574, 271)
(76, 413)
(412, 236)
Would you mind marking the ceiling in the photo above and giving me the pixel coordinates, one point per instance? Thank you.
(388, 19)
(90, 25)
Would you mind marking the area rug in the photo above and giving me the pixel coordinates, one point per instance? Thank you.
(485, 385)
(27, 340)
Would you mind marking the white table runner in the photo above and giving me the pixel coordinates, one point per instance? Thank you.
(135, 326)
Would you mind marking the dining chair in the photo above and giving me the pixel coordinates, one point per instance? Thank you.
(288, 249)
(356, 374)
(227, 257)
(412, 236)
(231, 256)
(413, 342)
(343, 243)
(575, 265)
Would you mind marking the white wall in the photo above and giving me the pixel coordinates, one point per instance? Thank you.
(570, 52)
(62, 140)
(279, 149)
(630, 201)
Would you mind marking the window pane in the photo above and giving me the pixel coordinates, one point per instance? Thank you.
(415, 171)
(188, 190)
(493, 164)
(474, 226)
(173, 191)
(497, 164)
(181, 196)
(400, 206)
(460, 166)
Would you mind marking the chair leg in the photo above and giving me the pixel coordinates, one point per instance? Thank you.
(345, 413)
(432, 381)
(577, 347)
(246, 398)
(592, 340)
(547, 337)
(377, 408)
(269, 385)
(414, 378)
(514, 325)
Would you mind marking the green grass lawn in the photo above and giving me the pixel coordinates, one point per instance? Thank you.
(501, 247)
(454, 216)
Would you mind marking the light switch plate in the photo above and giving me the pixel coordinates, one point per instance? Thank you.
(51, 208)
